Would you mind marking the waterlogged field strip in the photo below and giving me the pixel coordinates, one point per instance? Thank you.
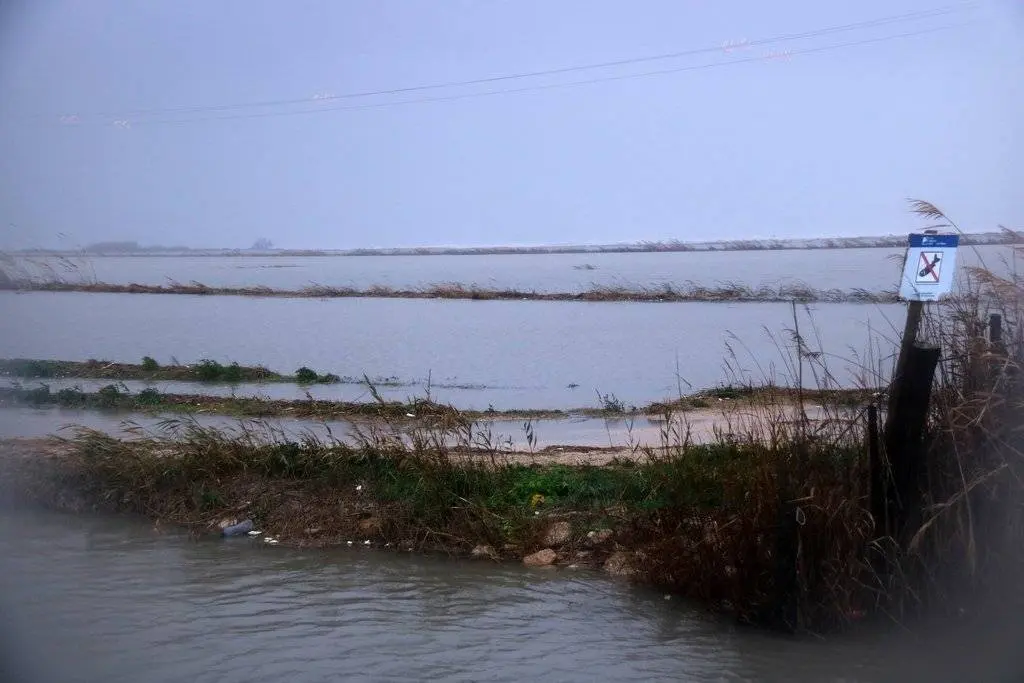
(204, 371)
(118, 397)
(729, 292)
(149, 370)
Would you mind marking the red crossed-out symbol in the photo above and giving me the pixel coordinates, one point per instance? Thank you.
(929, 268)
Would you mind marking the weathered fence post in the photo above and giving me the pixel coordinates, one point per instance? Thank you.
(878, 474)
(904, 434)
(995, 329)
(786, 608)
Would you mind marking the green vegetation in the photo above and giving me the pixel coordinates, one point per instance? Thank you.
(151, 399)
(117, 396)
(205, 370)
(305, 375)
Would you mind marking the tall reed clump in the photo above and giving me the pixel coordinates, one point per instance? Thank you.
(795, 530)
(785, 543)
(966, 547)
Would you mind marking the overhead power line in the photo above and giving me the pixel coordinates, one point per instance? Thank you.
(842, 28)
(552, 86)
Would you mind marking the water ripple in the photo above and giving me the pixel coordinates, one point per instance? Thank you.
(107, 599)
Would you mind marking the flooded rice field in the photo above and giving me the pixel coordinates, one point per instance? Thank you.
(846, 269)
(478, 353)
(111, 599)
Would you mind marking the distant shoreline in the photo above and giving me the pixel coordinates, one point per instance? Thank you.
(674, 246)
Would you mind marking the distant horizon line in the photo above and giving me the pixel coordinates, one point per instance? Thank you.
(129, 247)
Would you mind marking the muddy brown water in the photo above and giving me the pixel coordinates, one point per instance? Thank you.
(92, 598)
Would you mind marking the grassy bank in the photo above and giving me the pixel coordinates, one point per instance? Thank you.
(729, 292)
(700, 521)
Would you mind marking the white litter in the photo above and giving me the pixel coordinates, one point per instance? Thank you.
(254, 532)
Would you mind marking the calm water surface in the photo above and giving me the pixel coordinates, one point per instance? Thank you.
(107, 599)
(537, 354)
(872, 269)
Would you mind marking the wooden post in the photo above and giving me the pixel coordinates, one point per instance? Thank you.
(879, 476)
(904, 434)
(784, 609)
(915, 310)
(995, 329)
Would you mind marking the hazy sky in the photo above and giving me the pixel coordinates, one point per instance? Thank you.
(829, 142)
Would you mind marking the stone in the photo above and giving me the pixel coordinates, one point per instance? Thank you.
(599, 537)
(619, 564)
(369, 526)
(558, 534)
(484, 552)
(541, 558)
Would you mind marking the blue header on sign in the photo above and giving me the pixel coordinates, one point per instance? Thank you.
(947, 241)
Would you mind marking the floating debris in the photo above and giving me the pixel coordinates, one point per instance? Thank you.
(255, 532)
(237, 529)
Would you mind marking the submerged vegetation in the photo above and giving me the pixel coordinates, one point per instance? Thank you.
(689, 292)
(119, 397)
